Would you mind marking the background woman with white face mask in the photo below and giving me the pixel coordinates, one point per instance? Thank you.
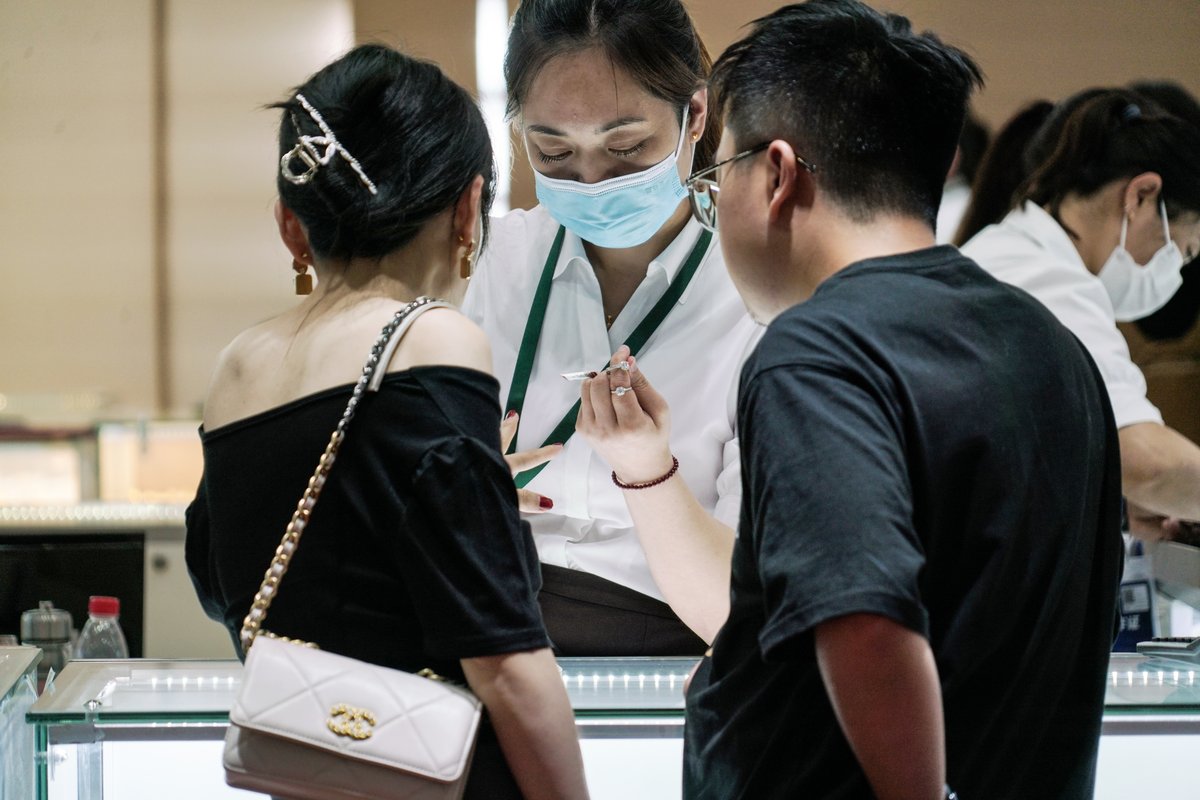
(1105, 222)
(609, 98)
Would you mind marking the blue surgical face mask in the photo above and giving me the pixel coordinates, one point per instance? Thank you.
(619, 212)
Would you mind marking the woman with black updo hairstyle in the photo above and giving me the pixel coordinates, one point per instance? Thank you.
(631, 465)
(416, 556)
(1104, 221)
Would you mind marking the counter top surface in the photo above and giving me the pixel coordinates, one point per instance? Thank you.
(16, 662)
(198, 689)
(91, 517)
(183, 689)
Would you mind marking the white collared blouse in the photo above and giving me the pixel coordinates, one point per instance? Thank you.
(694, 360)
(1030, 250)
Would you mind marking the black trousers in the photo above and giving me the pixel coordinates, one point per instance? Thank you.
(587, 615)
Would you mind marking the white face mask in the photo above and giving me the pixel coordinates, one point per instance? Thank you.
(1138, 291)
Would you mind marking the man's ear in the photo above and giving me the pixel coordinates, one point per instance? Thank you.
(292, 233)
(789, 186)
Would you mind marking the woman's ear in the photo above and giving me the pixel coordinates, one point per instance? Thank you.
(466, 213)
(1142, 189)
(292, 233)
(697, 114)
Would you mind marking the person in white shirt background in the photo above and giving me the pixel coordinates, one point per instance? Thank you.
(635, 511)
(956, 194)
(1104, 224)
(1001, 171)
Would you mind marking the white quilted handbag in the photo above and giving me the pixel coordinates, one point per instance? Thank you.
(313, 725)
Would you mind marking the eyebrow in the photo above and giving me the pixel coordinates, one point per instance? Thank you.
(616, 123)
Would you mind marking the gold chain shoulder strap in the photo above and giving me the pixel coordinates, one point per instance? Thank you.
(381, 353)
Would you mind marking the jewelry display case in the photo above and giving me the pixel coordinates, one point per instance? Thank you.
(132, 551)
(18, 690)
(150, 729)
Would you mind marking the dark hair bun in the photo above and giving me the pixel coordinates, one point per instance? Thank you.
(418, 136)
(1105, 134)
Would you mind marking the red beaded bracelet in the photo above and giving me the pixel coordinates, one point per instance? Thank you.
(629, 486)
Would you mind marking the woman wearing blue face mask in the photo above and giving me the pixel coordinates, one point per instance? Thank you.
(1102, 228)
(637, 511)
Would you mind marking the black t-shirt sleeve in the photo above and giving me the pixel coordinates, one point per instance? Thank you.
(469, 561)
(830, 503)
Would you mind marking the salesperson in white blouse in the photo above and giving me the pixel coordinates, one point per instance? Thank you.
(610, 101)
(1104, 226)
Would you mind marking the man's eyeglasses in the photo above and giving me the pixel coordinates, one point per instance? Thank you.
(703, 186)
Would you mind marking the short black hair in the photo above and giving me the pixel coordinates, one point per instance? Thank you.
(876, 107)
(418, 135)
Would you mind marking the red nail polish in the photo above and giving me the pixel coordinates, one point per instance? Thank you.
(546, 503)
(593, 374)
(510, 415)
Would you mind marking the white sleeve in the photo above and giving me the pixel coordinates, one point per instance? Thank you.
(729, 481)
(1081, 303)
(474, 304)
(729, 485)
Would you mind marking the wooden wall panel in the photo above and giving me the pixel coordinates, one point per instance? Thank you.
(441, 31)
(76, 216)
(1029, 48)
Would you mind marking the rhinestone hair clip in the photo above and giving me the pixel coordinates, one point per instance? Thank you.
(308, 149)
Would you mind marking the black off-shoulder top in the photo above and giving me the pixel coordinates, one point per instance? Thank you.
(415, 555)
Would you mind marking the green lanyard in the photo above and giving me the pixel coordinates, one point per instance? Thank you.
(533, 332)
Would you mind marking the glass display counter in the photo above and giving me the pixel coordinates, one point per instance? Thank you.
(18, 691)
(1151, 729)
(153, 729)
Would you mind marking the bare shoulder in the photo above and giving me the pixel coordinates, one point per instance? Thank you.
(230, 390)
(444, 337)
(245, 377)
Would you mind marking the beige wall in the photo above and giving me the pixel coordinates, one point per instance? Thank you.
(77, 303)
(227, 267)
(75, 188)
(76, 211)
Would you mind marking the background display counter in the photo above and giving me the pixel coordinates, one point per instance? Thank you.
(151, 729)
(132, 551)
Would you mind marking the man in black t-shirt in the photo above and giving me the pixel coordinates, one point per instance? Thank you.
(924, 583)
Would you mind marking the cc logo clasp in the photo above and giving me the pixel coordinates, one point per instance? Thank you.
(346, 720)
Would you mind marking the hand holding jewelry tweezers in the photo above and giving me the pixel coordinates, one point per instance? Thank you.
(583, 376)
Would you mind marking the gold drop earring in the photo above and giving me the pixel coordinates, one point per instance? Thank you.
(303, 279)
(466, 265)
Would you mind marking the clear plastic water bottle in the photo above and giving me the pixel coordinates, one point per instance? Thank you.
(101, 636)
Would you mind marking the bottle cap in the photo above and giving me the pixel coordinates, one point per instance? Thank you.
(46, 624)
(107, 606)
